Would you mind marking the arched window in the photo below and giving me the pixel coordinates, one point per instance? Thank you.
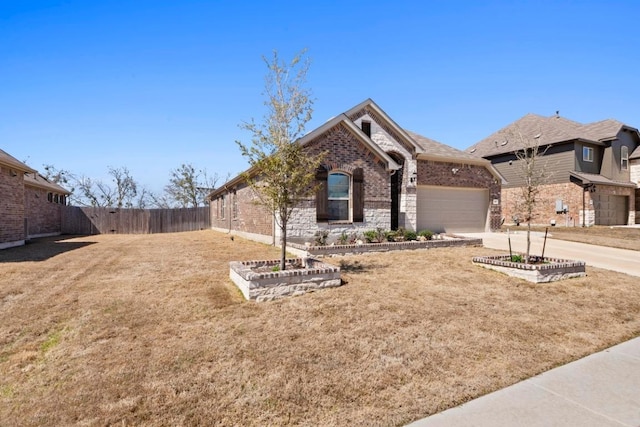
(339, 186)
(624, 157)
(340, 196)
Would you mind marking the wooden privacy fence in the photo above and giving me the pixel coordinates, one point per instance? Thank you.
(84, 220)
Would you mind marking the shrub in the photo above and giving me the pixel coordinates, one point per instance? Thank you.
(321, 237)
(516, 258)
(370, 236)
(343, 239)
(427, 234)
(410, 235)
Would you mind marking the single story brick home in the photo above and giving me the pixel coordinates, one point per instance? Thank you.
(29, 205)
(591, 171)
(375, 175)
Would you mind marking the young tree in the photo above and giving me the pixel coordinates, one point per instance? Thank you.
(281, 172)
(533, 171)
(188, 187)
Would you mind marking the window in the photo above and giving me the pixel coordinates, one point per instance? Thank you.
(50, 197)
(339, 185)
(624, 157)
(587, 154)
(234, 205)
(366, 128)
(340, 196)
(222, 207)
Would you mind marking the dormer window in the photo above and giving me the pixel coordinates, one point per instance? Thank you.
(624, 157)
(587, 154)
(366, 128)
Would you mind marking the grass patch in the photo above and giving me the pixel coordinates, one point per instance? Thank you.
(52, 341)
(156, 334)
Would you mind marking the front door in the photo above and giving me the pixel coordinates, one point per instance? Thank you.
(395, 200)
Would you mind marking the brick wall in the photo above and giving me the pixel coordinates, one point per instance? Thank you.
(248, 216)
(11, 207)
(43, 216)
(571, 196)
(439, 173)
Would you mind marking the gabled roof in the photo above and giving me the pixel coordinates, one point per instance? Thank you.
(551, 130)
(421, 147)
(433, 148)
(355, 130)
(11, 162)
(37, 180)
(635, 154)
(368, 103)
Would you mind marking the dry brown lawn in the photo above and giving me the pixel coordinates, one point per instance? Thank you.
(615, 237)
(148, 330)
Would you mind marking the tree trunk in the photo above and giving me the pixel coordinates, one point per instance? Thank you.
(283, 245)
(526, 259)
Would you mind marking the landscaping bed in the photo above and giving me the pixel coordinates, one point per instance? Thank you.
(444, 241)
(262, 280)
(539, 270)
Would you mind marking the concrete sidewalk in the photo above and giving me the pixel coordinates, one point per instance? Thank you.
(601, 390)
(622, 260)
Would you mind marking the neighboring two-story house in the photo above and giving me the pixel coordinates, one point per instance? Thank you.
(375, 175)
(590, 170)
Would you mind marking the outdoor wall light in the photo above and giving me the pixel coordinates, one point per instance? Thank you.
(413, 177)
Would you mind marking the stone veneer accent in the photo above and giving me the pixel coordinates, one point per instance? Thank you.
(272, 285)
(555, 269)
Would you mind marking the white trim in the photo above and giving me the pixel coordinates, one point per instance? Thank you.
(8, 245)
(36, 236)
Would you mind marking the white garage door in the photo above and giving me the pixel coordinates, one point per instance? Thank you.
(452, 209)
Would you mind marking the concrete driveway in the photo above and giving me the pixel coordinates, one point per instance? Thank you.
(621, 260)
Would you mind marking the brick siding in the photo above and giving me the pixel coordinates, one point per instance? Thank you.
(43, 216)
(251, 216)
(11, 206)
(571, 196)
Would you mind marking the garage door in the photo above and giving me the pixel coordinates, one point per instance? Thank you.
(610, 210)
(452, 209)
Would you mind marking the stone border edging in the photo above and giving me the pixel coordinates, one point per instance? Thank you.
(449, 241)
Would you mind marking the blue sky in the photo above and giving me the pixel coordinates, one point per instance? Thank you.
(153, 84)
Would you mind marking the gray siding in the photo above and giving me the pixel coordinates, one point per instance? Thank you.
(611, 161)
(556, 163)
(588, 167)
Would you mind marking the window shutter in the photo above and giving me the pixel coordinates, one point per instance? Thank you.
(322, 195)
(358, 195)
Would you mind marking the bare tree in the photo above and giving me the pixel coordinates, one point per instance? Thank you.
(533, 171)
(126, 188)
(123, 193)
(282, 172)
(188, 187)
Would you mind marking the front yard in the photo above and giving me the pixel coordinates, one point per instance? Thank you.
(148, 330)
